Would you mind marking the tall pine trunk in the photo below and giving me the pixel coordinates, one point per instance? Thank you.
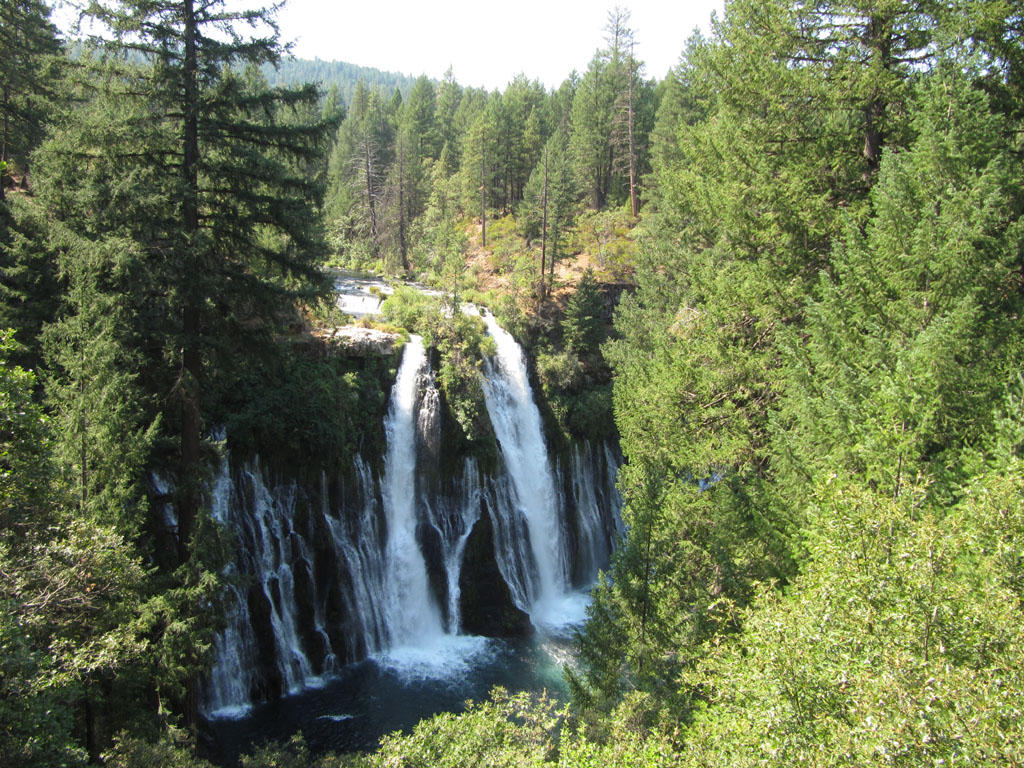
(4, 141)
(544, 225)
(190, 384)
(879, 40)
(402, 236)
(633, 198)
(483, 190)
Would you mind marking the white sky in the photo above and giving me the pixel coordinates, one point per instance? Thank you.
(487, 43)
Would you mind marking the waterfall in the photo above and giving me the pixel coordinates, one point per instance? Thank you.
(453, 519)
(358, 539)
(517, 425)
(412, 613)
(372, 563)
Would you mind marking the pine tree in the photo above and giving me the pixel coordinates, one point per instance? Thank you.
(449, 98)
(358, 171)
(913, 335)
(546, 210)
(419, 116)
(583, 325)
(610, 119)
(193, 188)
(31, 54)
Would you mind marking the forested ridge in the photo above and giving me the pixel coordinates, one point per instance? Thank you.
(339, 76)
(810, 230)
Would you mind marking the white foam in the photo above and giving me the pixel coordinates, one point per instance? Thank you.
(437, 658)
(560, 614)
(231, 712)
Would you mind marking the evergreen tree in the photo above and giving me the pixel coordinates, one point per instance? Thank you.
(753, 182)
(583, 325)
(358, 171)
(546, 210)
(419, 116)
(590, 148)
(479, 158)
(183, 197)
(31, 54)
(914, 334)
(610, 119)
(448, 100)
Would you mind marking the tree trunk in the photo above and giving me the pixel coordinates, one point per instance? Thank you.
(190, 384)
(92, 744)
(4, 140)
(880, 42)
(83, 497)
(401, 207)
(368, 170)
(633, 199)
(483, 190)
(544, 225)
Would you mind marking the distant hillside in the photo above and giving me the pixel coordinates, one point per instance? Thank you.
(339, 73)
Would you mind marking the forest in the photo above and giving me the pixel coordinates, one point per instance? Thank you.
(788, 278)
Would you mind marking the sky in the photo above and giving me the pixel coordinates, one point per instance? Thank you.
(487, 43)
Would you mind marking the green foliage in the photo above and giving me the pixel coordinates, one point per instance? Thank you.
(409, 308)
(583, 325)
(299, 402)
(582, 408)
(559, 372)
(29, 288)
(343, 77)
(607, 238)
(507, 730)
(100, 412)
(914, 334)
(27, 473)
(591, 415)
(900, 642)
(72, 590)
(548, 199)
(824, 561)
(822, 292)
(28, 82)
(129, 752)
(462, 343)
(36, 718)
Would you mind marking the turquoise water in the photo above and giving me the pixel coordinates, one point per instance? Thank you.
(368, 700)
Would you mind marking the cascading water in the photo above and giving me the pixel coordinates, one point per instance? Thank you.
(517, 425)
(413, 617)
(362, 565)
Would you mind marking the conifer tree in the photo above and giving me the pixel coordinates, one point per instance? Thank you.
(913, 334)
(242, 231)
(547, 206)
(31, 54)
(182, 199)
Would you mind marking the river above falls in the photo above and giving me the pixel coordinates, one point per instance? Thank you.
(376, 595)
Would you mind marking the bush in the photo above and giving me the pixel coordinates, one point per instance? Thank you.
(559, 372)
(607, 237)
(462, 342)
(293, 404)
(410, 309)
(591, 415)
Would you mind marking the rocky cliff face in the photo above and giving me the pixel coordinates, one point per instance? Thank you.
(326, 561)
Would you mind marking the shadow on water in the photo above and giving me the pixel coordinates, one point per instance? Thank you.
(366, 701)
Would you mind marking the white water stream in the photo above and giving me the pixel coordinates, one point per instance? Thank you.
(517, 425)
(319, 584)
